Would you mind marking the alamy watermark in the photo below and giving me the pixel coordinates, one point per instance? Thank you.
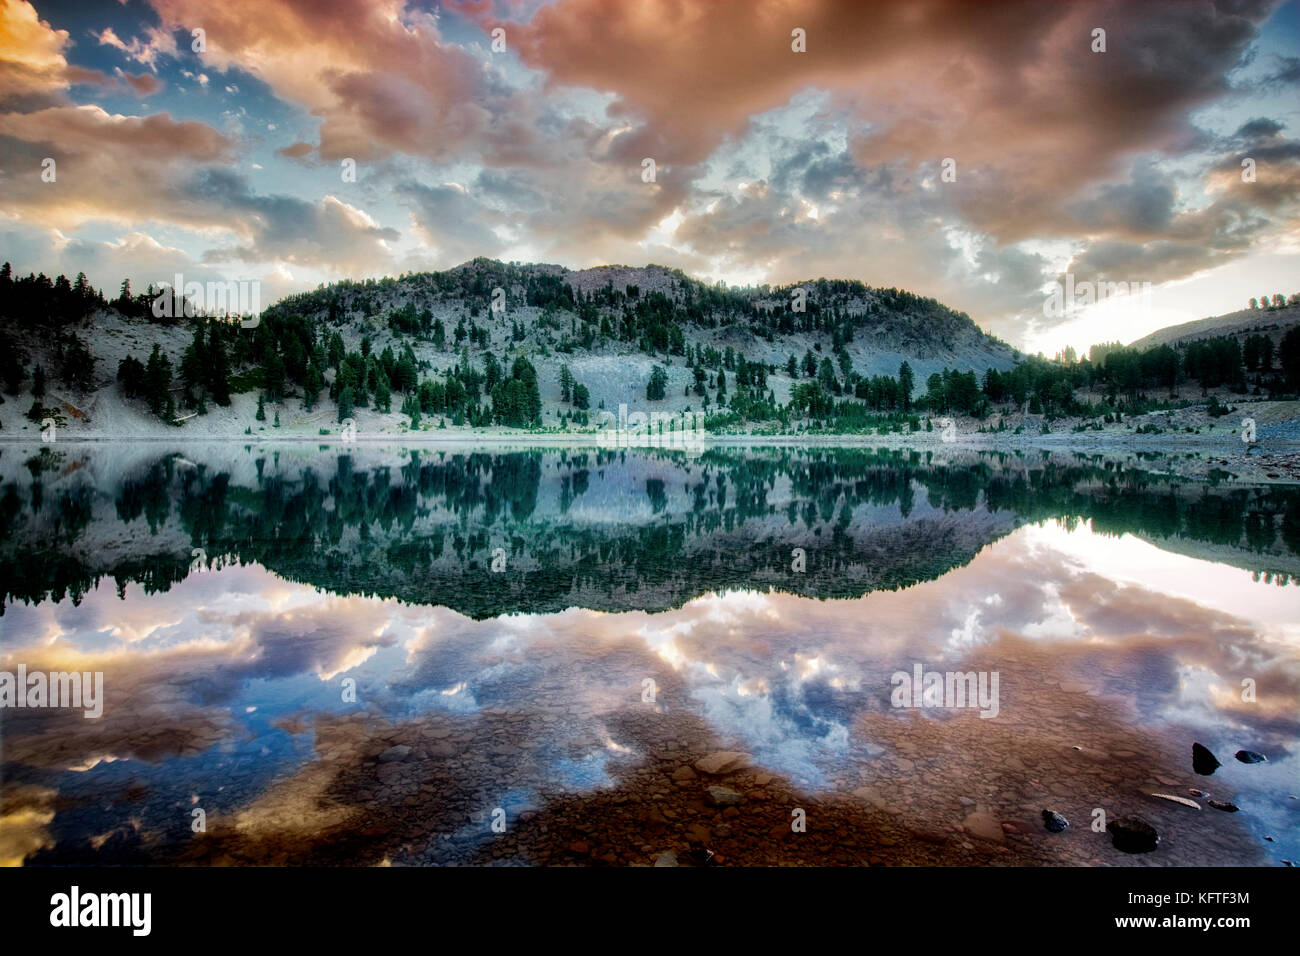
(75, 689)
(950, 689)
(1064, 299)
(241, 299)
(678, 432)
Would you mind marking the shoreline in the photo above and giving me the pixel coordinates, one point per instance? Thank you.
(1271, 461)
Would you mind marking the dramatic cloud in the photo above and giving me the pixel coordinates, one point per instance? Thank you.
(770, 165)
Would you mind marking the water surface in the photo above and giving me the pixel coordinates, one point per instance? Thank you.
(367, 655)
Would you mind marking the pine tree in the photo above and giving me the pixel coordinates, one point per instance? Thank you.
(261, 408)
(345, 403)
(906, 381)
(158, 381)
(218, 369)
(657, 386)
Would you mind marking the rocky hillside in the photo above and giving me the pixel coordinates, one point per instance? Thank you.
(612, 324)
(605, 330)
(1273, 323)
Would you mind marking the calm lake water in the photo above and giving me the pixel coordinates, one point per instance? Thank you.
(360, 655)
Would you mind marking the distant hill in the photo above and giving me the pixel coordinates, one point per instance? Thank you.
(647, 307)
(1271, 322)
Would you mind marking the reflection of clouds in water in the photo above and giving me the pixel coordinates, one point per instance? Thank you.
(782, 728)
(584, 773)
(780, 676)
(457, 699)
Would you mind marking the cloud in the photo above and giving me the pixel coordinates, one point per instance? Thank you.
(450, 221)
(156, 43)
(329, 232)
(144, 84)
(33, 68)
(379, 75)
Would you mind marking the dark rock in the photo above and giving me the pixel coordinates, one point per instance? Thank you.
(1197, 793)
(1054, 821)
(1133, 835)
(1225, 806)
(1249, 756)
(1204, 762)
(701, 854)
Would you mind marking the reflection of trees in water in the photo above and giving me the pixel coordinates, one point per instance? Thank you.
(423, 530)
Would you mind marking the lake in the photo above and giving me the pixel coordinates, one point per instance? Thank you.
(371, 654)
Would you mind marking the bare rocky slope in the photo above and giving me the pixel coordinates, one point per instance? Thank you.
(1274, 323)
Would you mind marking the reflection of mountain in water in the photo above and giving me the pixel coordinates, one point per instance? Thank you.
(604, 530)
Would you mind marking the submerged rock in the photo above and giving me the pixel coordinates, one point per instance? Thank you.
(722, 762)
(1054, 821)
(684, 774)
(722, 797)
(395, 754)
(1225, 806)
(984, 825)
(1198, 793)
(1249, 756)
(1133, 835)
(1204, 762)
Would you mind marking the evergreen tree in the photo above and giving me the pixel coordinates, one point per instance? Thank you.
(345, 403)
(656, 388)
(131, 373)
(218, 369)
(906, 382)
(158, 381)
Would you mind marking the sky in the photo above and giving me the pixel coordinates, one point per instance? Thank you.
(790, 140)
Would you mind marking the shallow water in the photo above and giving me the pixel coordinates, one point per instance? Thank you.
(559, 638)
